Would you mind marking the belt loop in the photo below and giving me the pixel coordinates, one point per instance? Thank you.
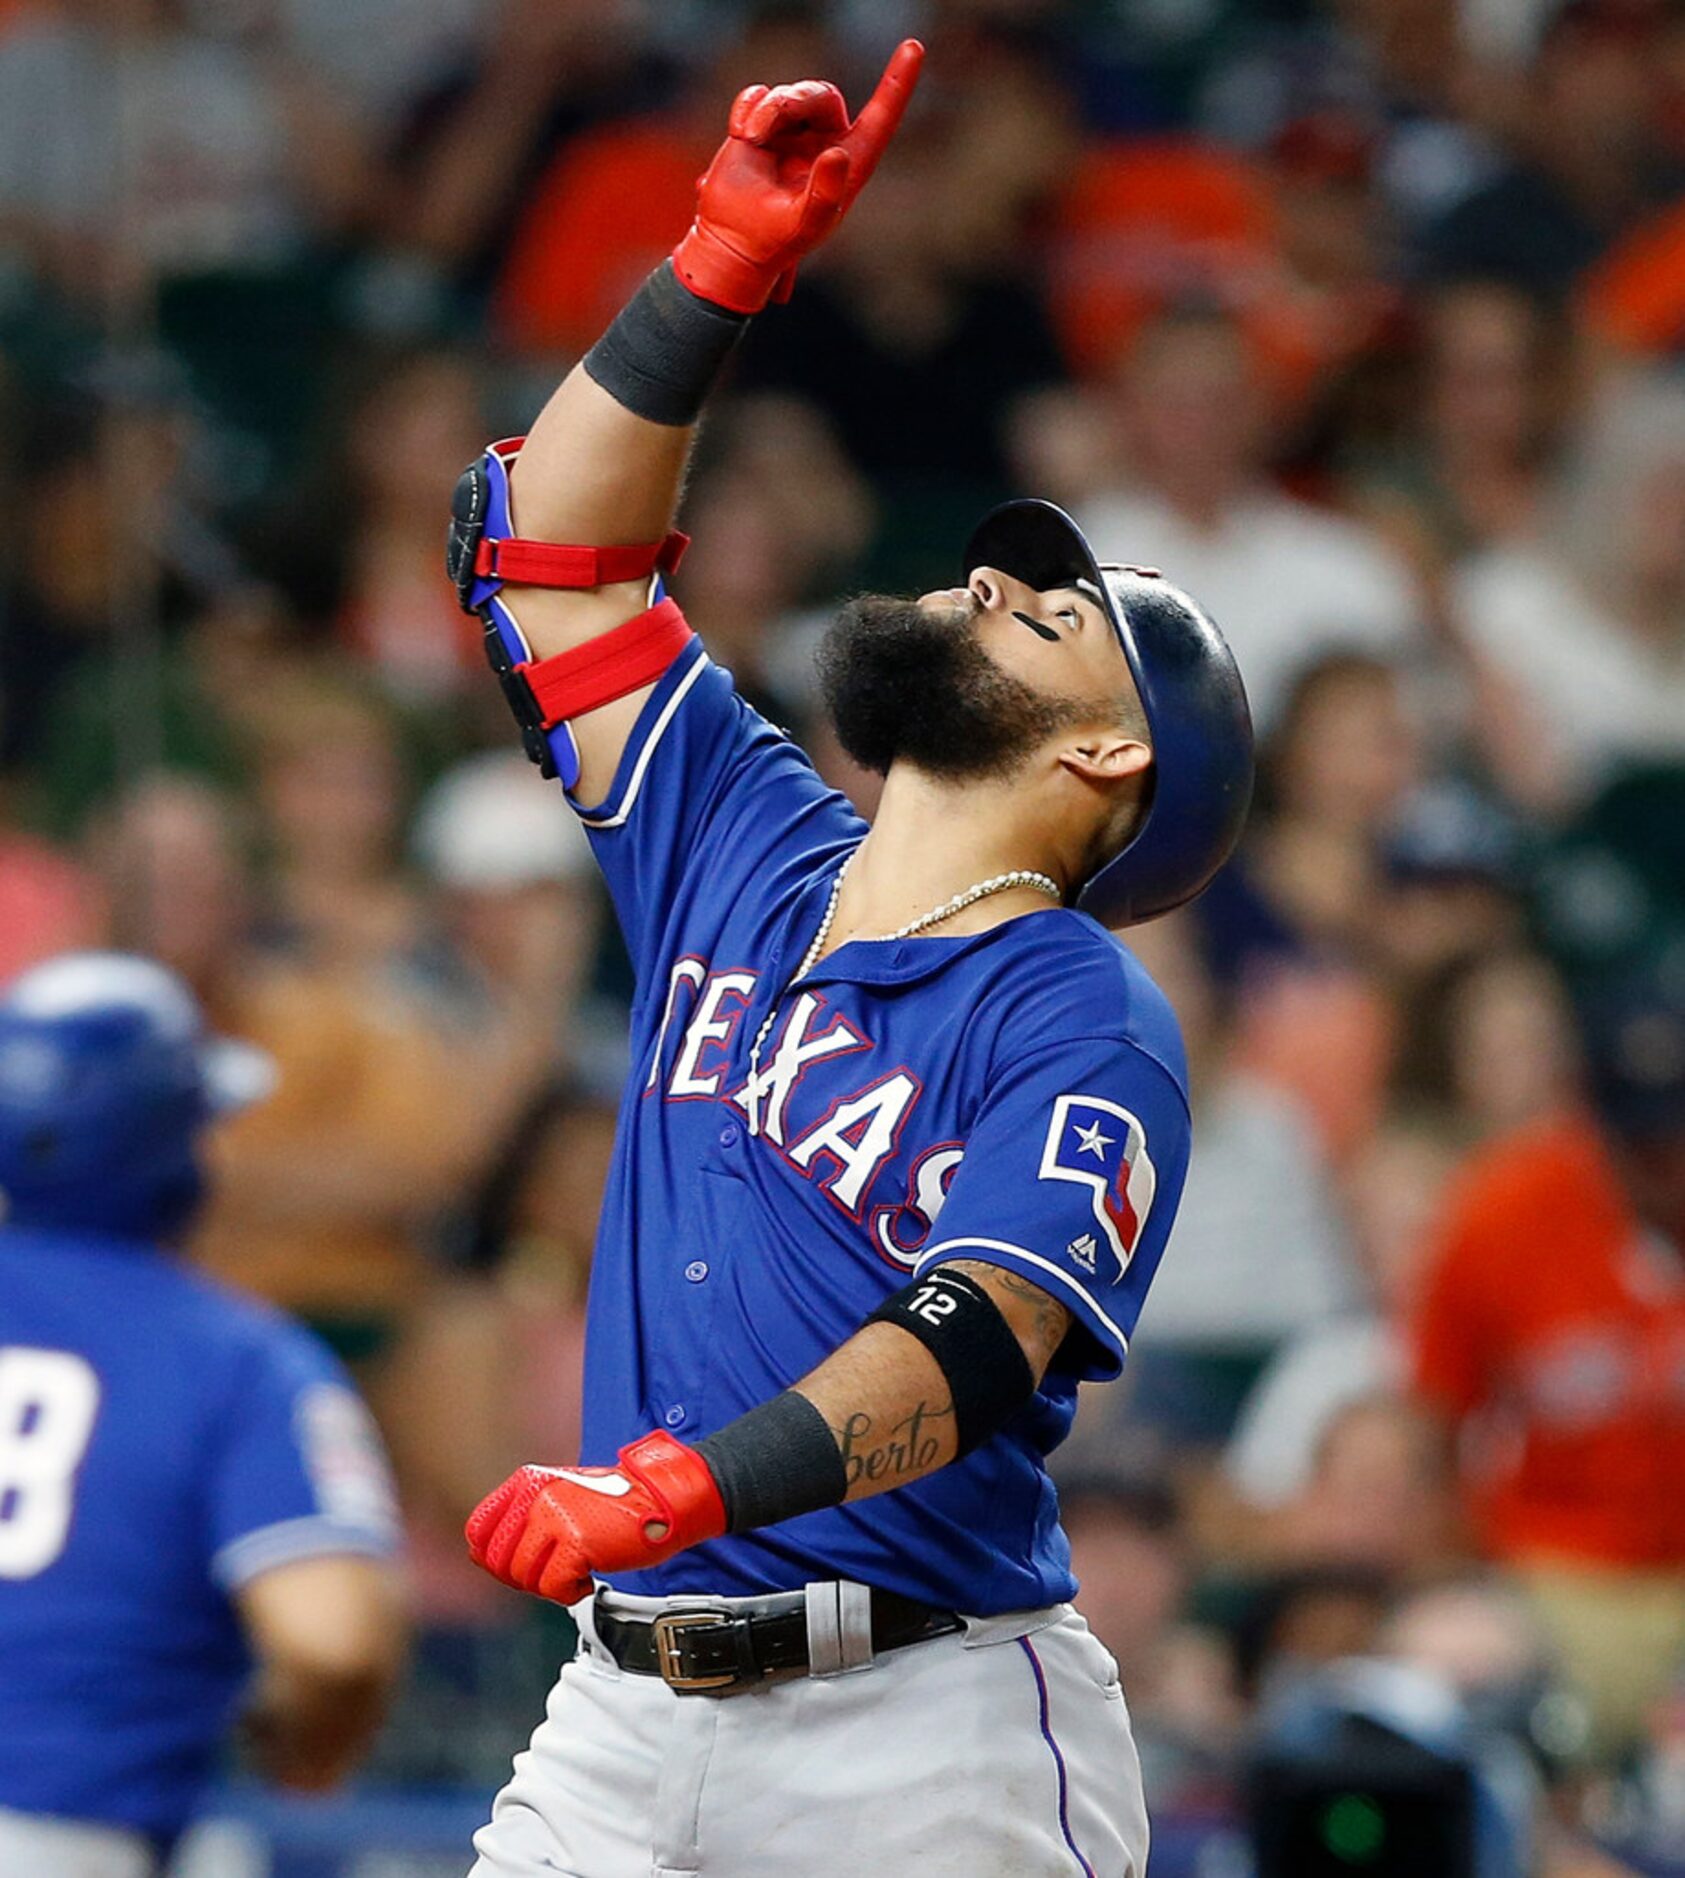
(585, 1616)
(824, 1629)
(854, 1604)
(839, 1627)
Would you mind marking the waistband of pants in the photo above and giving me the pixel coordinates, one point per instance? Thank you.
(722, 1646)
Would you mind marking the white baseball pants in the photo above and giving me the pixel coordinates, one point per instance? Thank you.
(34, 1846)
(1003, 1751)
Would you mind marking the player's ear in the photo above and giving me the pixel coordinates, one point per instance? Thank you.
(1109, 756)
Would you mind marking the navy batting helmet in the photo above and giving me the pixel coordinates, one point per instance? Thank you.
(1200, 727)
(107, 1077)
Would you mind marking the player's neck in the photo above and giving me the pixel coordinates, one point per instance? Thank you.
(932, 840)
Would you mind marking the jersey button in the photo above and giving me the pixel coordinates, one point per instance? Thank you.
(675, 1416)
(696, 1271)
(728, 1135)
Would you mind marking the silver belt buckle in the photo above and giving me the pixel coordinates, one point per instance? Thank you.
(667, 1658)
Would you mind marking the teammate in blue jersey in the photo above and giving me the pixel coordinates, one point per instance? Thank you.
(902, 1146)
(195, 1514)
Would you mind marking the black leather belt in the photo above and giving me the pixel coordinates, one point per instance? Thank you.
(701, 1651)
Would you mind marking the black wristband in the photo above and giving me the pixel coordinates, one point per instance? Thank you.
(987, 1372)
(779, 1460)
(665, 349)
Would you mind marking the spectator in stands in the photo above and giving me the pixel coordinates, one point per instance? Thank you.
(1586, 628)
(1588, 159)
(1377, 1495)
(133, 145)
(322, 1193)
(1293, 248)
(1294, 1621)
(1479, 1640)
(1340, 767)
(75, 565)
(1452, 865)
(1392, 1191)
(381, 56)
(515, 111)
(1293, 926)
(1547, 1336)
(1286, 581)
(416, 429)
(517, 916)
(1261, 1252)
(1410, 70)
(1133, 1556)
(492, 1366)
(1483, 430)
(358, 549)
(330, 783)
(1491, 1048)
(55, 613)
(779, 516)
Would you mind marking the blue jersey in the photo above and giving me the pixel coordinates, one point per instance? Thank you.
(161, 1444)
(1016, 1096)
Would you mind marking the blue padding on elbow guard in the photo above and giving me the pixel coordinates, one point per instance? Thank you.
(483, 510)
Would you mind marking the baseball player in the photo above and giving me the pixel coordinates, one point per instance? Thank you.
(189, 1489)
(902, 1144)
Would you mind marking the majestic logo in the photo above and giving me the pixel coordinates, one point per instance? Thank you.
(1095, 1144)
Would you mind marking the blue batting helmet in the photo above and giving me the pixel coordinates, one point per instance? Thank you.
(1195, 704)
(107, 1077)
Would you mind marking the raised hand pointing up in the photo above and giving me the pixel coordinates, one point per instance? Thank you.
(783, 179)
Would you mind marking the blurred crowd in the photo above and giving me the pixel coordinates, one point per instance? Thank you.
(1361, 318)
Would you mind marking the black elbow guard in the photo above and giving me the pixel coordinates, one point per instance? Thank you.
(988, 1375)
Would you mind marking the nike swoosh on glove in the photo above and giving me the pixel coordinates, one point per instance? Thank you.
(548, 1529)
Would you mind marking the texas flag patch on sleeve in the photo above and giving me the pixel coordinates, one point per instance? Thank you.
(1096, 1144)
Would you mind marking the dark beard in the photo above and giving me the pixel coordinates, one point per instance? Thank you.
(903, 684)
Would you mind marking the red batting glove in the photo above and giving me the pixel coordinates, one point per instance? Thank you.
(783, 179)
(547, 1529)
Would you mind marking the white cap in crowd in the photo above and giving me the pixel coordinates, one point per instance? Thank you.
(493, 824)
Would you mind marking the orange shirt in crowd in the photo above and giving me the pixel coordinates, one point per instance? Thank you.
(608, 210)
(1634, 298)
(1553, 1326)
(1144, 224)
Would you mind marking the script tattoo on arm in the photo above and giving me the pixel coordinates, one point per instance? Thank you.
(876, 1456)
(884, 1396)
(885, 1399)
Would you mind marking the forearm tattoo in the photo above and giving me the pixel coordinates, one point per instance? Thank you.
(904, 1450)
(1050, 1319)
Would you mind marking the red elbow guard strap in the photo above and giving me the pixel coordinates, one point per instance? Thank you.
(568, 684)
(550, 564)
